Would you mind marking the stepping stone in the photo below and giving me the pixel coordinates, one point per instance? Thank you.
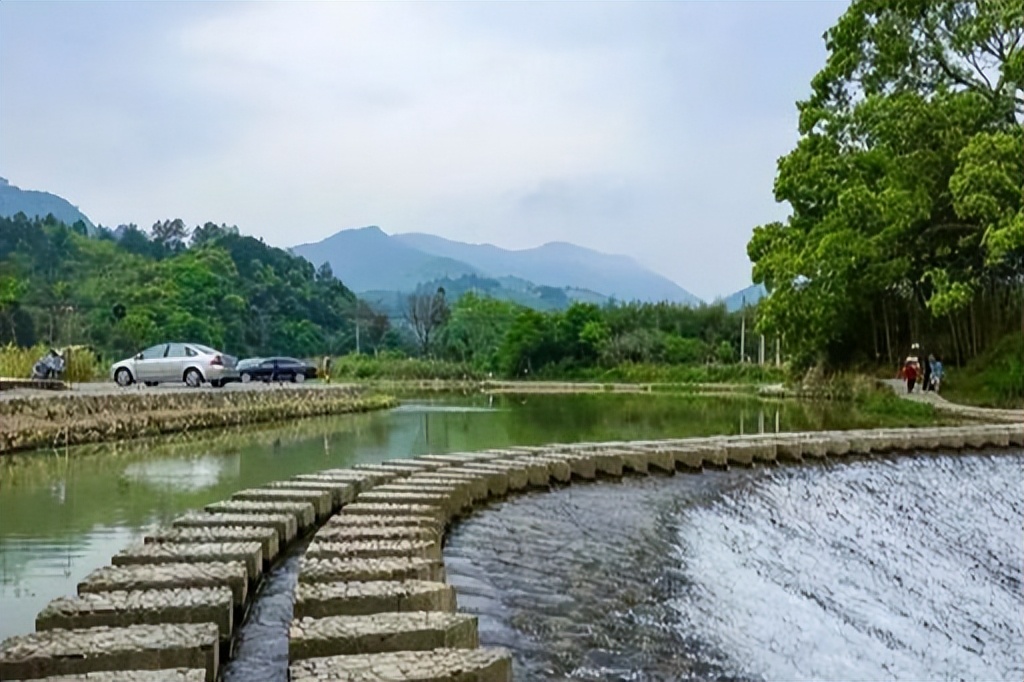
(580, 465)
(380, 632)
(164, 675)
(285, 524)
(373, 520)
(249, 553)
(140, 607)
(317, 600)
(267, 537)
(370, 549)
(367, 478)
(364, 570)
(322, 500)
(396, 509)
(536, 472)
(659, 456)
(455, 665)
(332, 533)
(478, 487)
(422, 464)
(632, 460)
(447, 504)
(518, 476)
(137, 647)
(169, 576)
(342, 493)
(458, 494)
(304, 513)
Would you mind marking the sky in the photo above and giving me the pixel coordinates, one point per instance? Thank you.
(649, 129)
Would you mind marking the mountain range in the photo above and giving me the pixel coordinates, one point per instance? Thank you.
(14, 200)
(367, 259)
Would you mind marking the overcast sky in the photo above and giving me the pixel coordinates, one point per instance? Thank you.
(642, 128)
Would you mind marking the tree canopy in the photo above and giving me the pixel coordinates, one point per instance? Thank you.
(904, 188)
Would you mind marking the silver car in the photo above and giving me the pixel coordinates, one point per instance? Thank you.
(192, 363)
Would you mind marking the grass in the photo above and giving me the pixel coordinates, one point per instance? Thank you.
(16, 362)
(993, 379)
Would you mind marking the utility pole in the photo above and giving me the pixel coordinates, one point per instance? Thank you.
(743, 330)
(357, 334)
(760, 351)
(778, 352)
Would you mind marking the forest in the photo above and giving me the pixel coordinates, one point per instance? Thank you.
(122, 290)
(905, 191)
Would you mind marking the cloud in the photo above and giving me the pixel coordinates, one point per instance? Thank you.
(649, 129)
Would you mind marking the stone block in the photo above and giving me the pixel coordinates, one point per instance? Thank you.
(136, 647)
(659, 456)
(459, 494)
(285, 525)
(342, 492)
(367, 549)
(249, 553)
(364, 570)
(322, 500)
(580, 466)
(318, 600)
(438, 665)
(163, 675)
(368, 476)
(304, 513)
(266, 536)
(141, 607)
(383, 520)
(398, 509)
(400, 470)
(516, 477)
(449, 505)
(478, 482)
(169, 576)
(420, 464)
(380, 632)
(337, 533)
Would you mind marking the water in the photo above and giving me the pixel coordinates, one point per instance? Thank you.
(64, 514)
(906, 568)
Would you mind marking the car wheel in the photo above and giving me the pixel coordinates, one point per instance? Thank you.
(298, 378)
(123, 377)
(246, 377)
(193, 378)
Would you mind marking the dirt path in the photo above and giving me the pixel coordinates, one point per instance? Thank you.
(940, 403)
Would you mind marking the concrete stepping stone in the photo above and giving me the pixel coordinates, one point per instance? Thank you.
(659, 456)
(164, 675)
(394, 509)
(249, 553)
(438, 665)
(322, 500)
(374, 520)
(169, 576)
(366, 478)
(368, 549)
(141, 607)
(342, 493)
(317, 600)
(286, 525)
(478, 485)
(459, 495)
(136, 647)
(537, 474)
(517, 477)
(267, 537)
(448, 504)
(313, 570)
(418, 463)
(333, 533)
(381, 632)
(580, 465)
(304, 513)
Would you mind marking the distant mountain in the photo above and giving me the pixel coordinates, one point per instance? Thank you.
(559, 264)
(14, 200)
(748, 296)
(366, 259)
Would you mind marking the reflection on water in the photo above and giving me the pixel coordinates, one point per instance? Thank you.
(99, 498)
(902, 568)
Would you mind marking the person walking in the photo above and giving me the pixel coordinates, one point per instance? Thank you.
(912, 367)
(926, 373)
(937, 370)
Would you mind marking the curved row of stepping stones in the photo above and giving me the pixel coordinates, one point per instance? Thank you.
(372, 602)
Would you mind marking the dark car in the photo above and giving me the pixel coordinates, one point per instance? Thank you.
(275, 369)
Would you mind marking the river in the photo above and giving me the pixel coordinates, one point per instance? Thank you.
(63, 514)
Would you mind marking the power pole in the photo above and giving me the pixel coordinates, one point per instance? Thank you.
(760, 352)
(743, 330)
(357, 335)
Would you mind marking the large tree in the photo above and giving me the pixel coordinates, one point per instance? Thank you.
(905, 186)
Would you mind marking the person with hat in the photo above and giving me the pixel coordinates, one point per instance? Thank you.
(912, 367)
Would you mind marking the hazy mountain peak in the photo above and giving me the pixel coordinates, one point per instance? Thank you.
(14, 200)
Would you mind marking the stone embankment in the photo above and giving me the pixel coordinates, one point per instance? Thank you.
(371, 601)
(73, 419)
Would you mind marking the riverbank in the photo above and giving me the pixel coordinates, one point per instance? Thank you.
(84, 416)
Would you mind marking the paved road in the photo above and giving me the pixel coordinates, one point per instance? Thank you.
(940, 403)
(110, 388)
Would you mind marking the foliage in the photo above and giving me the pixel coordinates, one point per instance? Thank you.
(995, 379)
(394, 366)
(905, 188)
(17, 362)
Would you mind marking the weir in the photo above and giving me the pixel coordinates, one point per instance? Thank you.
(371, 601)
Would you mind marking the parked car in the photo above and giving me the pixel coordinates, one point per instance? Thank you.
(192, 363)
(275, 369)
